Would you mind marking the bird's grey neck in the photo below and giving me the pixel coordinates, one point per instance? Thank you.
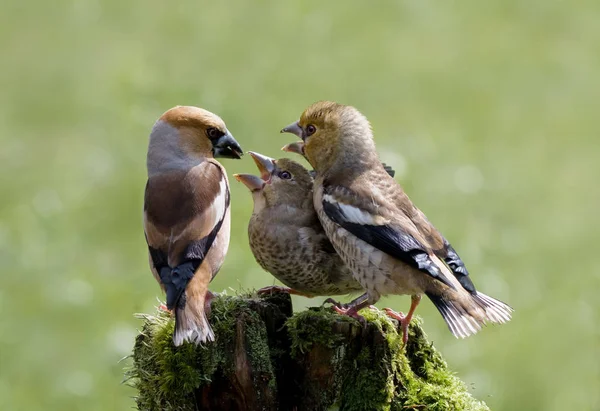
(165, 151)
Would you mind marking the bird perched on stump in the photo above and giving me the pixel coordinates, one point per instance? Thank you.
(186, 212)
(387, 242)
(285, 234)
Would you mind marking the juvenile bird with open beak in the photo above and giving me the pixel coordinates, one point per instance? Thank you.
(186, 212)
(387, 242)
(285, 234)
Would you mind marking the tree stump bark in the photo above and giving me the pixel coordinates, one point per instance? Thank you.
(267, 358)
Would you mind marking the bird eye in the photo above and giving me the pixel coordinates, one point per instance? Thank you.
(213, 133)
(310, 130)
(285, 175)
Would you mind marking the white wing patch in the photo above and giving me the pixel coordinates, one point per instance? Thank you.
(354, 214)
(218, 204)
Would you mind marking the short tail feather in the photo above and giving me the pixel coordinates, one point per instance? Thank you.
(496, 311)
(191, 325)
(465, 321)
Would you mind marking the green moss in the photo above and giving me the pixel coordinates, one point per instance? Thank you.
(377, 372)
(371, 374)
(367, 368)
(167, 376)
(314, 326)
(417, 375)
(432, 383)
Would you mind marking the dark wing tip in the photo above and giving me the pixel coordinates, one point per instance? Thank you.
(391, 241)
(389, 170)
(458, 267)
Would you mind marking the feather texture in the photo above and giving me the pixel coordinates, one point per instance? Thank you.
(285, 235)
(389, 244)
(187, 213)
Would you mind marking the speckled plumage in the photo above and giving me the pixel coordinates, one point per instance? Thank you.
(389, 244)
(287, 239)
(378, 273)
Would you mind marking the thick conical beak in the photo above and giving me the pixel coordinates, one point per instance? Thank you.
(294, 128)
(266, 165)
(227, 147)
(254, 183)
(296, 147)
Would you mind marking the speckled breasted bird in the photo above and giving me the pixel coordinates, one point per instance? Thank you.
(387, 242)
(186, 212)
(285, 234)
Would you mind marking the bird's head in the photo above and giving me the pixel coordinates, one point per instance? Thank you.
(330, 132)
(281, 182)
(187, 131)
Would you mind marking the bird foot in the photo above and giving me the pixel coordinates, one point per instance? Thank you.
(351, 312)
(345, 306)
(335, 303)
(404, 322)
(208, 301)
(163, 307)
(394, 314)
(279, 289)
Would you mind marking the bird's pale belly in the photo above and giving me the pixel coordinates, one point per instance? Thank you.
(376, 271)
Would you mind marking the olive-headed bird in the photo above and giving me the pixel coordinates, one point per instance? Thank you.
(186, 212)
(387, 242)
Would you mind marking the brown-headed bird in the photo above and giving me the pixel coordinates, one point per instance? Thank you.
(186, 212)
(388, 243)
(285, 234)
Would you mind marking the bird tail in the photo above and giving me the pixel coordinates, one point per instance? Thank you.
(496, 311)
(191, 323)
(466, 316)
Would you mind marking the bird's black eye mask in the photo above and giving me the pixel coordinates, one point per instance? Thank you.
(214, 133)
(224, 145)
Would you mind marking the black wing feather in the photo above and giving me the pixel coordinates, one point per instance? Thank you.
(176, 279)
(390, 240)
(389, 169)
(451, 257)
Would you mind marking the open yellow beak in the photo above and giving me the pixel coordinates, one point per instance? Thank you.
(296, 147)
(266, 165)
(254, 183)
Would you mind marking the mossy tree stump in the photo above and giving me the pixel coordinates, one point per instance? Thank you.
(267, 358)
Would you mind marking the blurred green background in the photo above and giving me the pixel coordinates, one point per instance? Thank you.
(487, 110)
